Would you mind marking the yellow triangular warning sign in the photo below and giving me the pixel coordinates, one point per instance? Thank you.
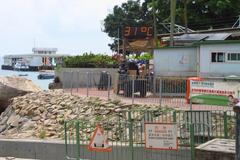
(99, 141)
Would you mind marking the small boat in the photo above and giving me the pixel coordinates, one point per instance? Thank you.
(45, 76)
(23, 75)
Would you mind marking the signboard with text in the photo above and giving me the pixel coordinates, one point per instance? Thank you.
(161, 136)
(214, 92)
(215, 88)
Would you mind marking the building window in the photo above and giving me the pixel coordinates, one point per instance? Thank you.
(218, 57)
(233, 57)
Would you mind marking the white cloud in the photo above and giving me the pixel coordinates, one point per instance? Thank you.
(66, 24)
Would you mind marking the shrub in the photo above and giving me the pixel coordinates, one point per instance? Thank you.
(42, 134)
(90, 61)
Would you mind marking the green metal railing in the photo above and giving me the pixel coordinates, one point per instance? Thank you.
(125, 132)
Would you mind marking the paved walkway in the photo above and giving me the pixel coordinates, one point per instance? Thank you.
(172, 102)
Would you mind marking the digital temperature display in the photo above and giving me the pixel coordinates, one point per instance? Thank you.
(138, 32)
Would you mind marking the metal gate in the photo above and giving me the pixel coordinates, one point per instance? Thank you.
(125, 133)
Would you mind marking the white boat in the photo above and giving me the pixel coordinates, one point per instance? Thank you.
(20, 66)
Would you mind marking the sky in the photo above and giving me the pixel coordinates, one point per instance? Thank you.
(72, 26)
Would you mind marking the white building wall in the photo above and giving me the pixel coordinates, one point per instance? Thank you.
(175, 62)
(7, 61)
(36, 61)
(208, 68)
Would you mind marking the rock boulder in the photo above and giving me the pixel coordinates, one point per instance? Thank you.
(14, 86)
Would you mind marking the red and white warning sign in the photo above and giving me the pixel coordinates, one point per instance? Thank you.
(161, 136)
(99, 141)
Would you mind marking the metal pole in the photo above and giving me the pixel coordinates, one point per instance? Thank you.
(173, 12)
(192, 141)
(190, 104)
(87, 83)
(185, 16)
(78, 140)
(237, 111)
(65, 137)
(78, 80)
(109, 85)
(71, 81)
(198, 61)
(160, 93)
(154, 85)
(118, 40)
(133, 81)
(130, 125)
(154, 22)
(225, 125)
(174, 116)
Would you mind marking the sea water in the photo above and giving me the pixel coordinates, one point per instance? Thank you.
(43, 83)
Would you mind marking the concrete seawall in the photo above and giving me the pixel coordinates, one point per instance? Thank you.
(76, 77)
(34, 149)
(55, 150)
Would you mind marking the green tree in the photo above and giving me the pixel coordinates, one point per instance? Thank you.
(201, 14)
(130, 13)
(205, 14)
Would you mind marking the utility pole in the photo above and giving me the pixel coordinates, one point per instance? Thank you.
(124, 52)
(154, 21)
(118, 40)
(185, 16)
(173, 14)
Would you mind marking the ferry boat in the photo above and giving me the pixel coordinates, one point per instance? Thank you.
(40, 59)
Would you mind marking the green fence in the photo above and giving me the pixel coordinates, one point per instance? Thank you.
(125, 133)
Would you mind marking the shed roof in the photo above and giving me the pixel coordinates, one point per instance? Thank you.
(198, 43)
(203, 36)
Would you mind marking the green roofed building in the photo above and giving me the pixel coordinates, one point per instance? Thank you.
(210, 54)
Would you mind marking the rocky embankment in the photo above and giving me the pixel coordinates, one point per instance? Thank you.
(42, 114)
(14, 86)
